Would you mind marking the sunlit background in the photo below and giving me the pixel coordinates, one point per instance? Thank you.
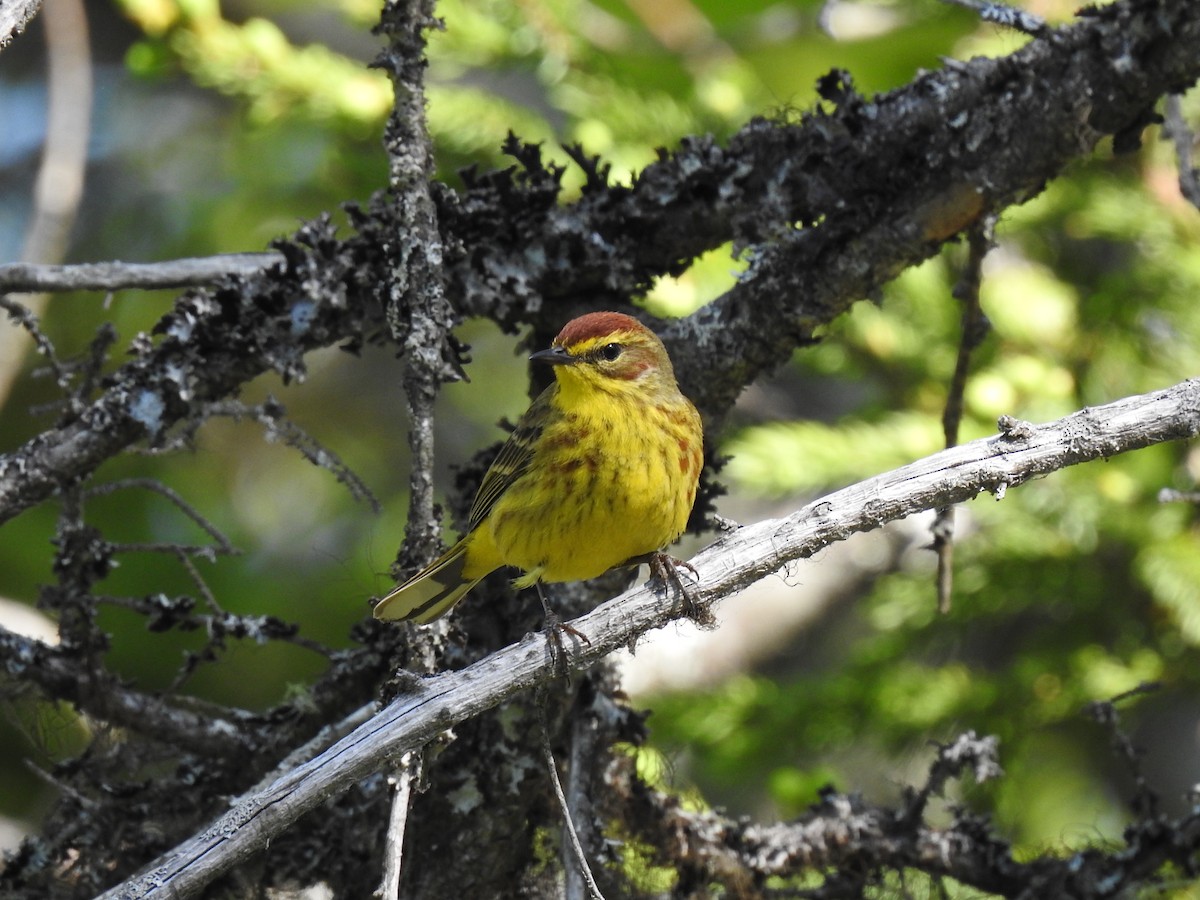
(218, 129)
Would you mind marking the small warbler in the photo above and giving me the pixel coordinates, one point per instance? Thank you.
(600, 471)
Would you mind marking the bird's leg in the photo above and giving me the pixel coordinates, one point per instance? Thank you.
(664, 569)
(552, 628)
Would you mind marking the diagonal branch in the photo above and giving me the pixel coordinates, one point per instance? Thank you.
(890, 179)
(1020, 452)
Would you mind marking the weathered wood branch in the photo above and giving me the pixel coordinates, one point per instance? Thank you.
(118, 276)
(995, 464)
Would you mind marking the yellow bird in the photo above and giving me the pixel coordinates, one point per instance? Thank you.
(601, 471)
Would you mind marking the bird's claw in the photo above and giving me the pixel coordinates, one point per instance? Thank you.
(664, 569)
(553, 628)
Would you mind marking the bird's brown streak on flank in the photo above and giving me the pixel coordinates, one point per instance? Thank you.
(562, 440)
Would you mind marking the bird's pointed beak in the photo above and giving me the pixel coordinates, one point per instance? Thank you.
(555, 356)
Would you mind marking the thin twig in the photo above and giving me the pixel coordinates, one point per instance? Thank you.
(1177, 128)
(201, 585)
(1145, 801)
(91, 365)
(205, 551)
(974, 329)
(1170, 495)
(568, 822)
(1005, 15)
(27, 319)
(273, 417)
(224, 546)
(580, 767)
(393, 849)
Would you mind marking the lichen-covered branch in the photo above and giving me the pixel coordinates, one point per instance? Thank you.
(117, 276)
(418, 312)
(853, 843)
(203, 351)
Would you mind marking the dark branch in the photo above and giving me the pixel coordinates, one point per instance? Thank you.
(106, 699)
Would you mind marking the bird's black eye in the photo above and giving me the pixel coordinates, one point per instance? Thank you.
(611, 351)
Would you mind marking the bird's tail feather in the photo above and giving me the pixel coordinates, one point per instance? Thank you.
(430, 593)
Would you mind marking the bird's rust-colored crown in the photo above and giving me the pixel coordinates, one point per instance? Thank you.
(596, 325)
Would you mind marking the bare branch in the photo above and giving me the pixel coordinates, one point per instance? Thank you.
(272, 416)
(313, 747)
(418, 312)
(212, 344)
(1145, 801)
(223, 545)
(589, 743)
(580, 881)
(841, 836)
(737, 560)
(848, 841)
(119, 276)
(393, 852)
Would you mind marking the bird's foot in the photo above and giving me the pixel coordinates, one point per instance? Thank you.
(664, 569)
(553, 627)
